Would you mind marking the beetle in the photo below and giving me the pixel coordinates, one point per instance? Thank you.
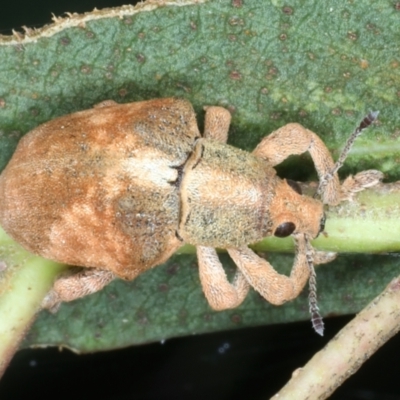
(120, 187)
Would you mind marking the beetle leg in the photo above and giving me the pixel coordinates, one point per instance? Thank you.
(295, 139)
(323, 257)
(216, 123)
(74, 286)
(274, 287)
(220, 293)
(359, 182)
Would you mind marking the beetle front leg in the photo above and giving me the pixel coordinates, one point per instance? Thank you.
(274, 287)
(74, 286)
(293, 139)
(220, 293)
(356, 183)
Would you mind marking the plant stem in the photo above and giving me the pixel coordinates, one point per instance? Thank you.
(348, 350)
(25, 280)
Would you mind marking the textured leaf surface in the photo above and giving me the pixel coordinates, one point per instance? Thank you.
(270, 63)
(169, 302)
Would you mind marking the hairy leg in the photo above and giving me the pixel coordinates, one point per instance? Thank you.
(74, 286)
(294, 139)
(220, 293)
(216, 124)
(274, 287)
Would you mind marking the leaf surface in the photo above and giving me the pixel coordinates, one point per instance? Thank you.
(270, 63)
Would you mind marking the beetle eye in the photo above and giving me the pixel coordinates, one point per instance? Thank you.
(285, 229)
(294, 185)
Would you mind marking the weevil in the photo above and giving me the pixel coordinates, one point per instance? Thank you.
(120, 187)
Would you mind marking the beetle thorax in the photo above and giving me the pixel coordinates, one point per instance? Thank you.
(225, 195)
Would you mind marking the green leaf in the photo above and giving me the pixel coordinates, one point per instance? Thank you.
(270, 63)
(168, 302)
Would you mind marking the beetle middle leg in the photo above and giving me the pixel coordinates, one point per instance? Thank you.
(274, 287)
(220, 293)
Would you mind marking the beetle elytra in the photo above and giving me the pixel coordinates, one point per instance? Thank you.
(120, 187)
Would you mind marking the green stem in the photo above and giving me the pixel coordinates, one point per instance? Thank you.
(349, 349)
(24, 283)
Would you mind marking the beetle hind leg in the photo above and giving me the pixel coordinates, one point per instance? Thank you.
(220, 293)
(73, 286)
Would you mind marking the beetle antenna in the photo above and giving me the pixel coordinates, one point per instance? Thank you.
(316, 319)
(364, 124)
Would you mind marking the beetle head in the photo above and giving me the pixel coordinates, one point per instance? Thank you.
(293, 213)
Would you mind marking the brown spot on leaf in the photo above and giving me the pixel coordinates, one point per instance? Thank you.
(163, 287)
(364, 64)
(65, 40)
(207, 317)
(34, 111)
(141, 317)
(303, 113)
(236, 318)
(352, 35)
(183, 314)
(287, 10)
(235, 75)
(275, 115)
(231, 108)
(122, 92)
(236, 21)
(172, 269)
(85, 69)
(140, 58)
